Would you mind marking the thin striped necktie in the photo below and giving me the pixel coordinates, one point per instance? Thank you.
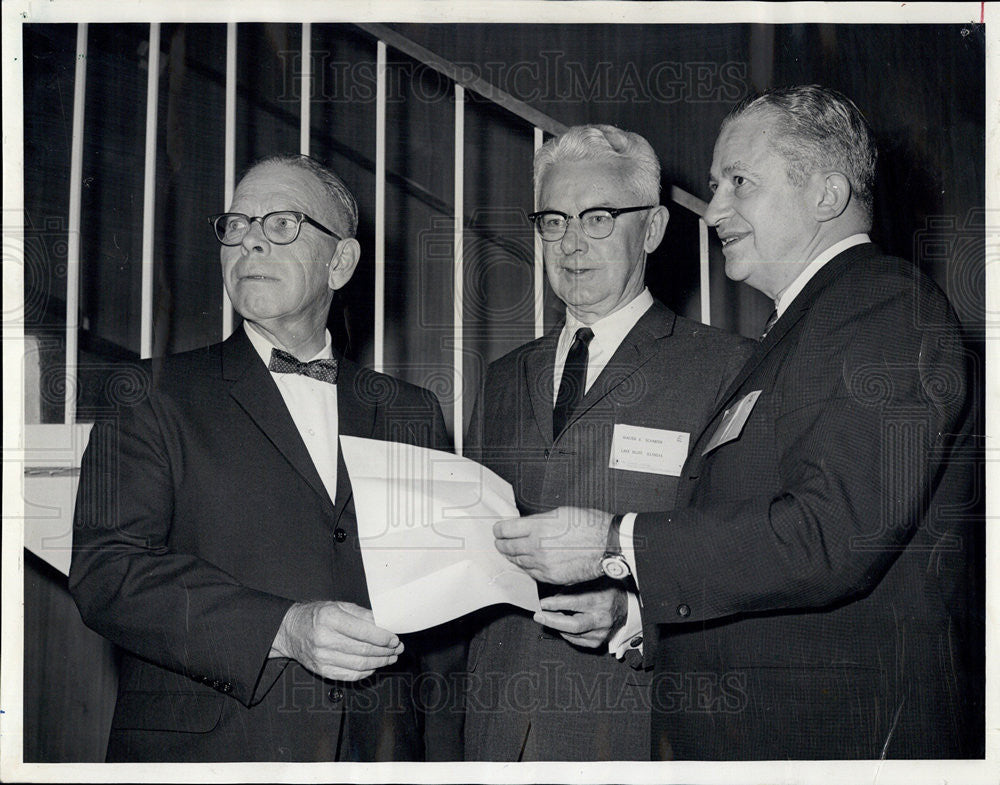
(574, 380)
(322, 370)
(770, 323)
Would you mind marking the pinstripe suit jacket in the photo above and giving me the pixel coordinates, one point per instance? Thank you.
(811, 586)
(532, 694)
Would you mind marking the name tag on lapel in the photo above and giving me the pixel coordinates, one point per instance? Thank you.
(650, 450)
(733, 420)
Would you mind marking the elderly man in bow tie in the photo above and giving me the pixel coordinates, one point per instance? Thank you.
(215, 538)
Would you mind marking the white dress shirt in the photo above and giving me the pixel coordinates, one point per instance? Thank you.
(609, 333)
(313, 406)
(781, 303)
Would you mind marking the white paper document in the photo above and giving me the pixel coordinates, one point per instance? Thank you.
(425, 521)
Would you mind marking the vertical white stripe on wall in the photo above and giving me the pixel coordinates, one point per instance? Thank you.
(704, 282)
(459, 274)
(73, 224)
(379, 360)
(539, 266)
(306, 87)
(149, 192)
(230, 156)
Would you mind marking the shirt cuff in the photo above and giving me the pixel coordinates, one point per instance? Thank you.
(630, 635)
(626, 543)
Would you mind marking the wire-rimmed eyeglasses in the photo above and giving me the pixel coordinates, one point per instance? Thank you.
(281, 227)
(597, 222)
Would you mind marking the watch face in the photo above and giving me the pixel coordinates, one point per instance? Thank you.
(615, 567)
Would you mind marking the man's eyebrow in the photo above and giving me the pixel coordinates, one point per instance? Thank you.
(736, 167)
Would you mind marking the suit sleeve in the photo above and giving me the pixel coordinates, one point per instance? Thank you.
(173, 609)
(864, 419)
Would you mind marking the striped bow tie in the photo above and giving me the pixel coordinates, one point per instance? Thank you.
(322, 370)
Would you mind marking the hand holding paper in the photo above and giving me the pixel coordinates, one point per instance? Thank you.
(425, 521)
(585, 618)
(562, 546)
(337, 640)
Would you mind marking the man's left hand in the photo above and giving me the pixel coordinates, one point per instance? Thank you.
(563, 546)
(593, 615)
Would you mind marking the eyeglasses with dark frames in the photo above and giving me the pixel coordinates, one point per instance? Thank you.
(597, 222)
(281, 227)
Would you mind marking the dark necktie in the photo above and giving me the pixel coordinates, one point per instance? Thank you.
(322, 370)
(770, 323)
(573, 382)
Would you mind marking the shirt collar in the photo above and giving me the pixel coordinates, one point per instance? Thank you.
(611, 329)
(790, 292)
(263, 345)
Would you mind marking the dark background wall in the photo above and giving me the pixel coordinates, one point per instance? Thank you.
(921, 86)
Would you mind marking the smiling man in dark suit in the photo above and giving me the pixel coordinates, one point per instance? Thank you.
(596, 413)
(215, 538)
(811, 588)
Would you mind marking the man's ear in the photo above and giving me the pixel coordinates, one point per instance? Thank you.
(656, 225)
(833, 195)
(344, 262)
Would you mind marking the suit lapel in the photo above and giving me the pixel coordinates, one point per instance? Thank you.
(783, 326)
(798, 308)
(255, 390)
(634, 351)
(355, 417)
(538, 368)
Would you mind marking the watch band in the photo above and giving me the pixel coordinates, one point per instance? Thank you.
(613, 563)
(614, 535)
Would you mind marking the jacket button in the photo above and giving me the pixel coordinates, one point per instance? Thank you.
(636, 642)
(336, 695)
(340, 535)
(683, 611)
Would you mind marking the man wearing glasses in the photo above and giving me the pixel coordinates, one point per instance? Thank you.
(597, 413)
(823, 565)
(215, 538)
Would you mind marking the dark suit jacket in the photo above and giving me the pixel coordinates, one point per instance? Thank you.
(581, 704)
(200, 519)
(811, 582)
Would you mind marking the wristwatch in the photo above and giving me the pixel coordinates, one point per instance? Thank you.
(613, 563)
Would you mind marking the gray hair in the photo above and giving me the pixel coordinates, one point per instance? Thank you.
(818, 129)
(340, 195)
(640, 166)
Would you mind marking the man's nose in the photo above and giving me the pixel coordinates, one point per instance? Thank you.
(716, 208)
(254, 240)
(574, 239)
